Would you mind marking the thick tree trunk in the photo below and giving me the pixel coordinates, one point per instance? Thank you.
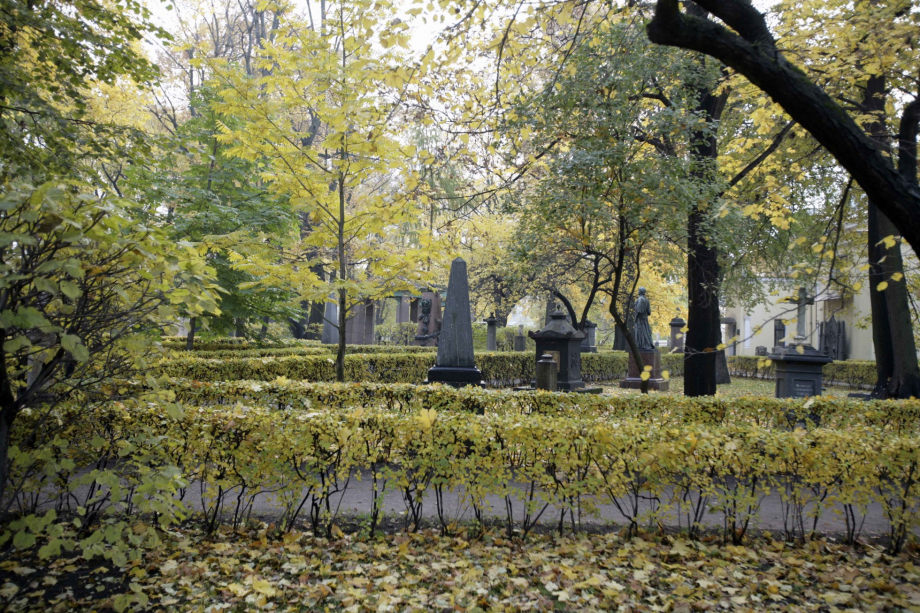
(905, 379)
(263, 331)
(704, 319)
(897, 373)
(190, 337)
(881, 333)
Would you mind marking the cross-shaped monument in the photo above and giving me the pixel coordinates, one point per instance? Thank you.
(802, 301)
(798, 368)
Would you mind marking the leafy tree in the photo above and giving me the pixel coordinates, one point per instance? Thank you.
(321, 118)
(746, 44)
(81, 283)
(51, 54)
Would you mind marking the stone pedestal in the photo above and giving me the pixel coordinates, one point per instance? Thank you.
(589, 344)
(798, 375)
(633, 378)
(546, 372)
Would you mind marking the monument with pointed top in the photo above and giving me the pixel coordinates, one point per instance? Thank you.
(456, 363)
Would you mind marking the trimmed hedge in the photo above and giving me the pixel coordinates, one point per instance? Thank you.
(855, 373)
(222, 344)
(498, 369)
(324, 350)
(899, 416)
(304, 458)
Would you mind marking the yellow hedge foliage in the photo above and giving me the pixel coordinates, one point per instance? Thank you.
(302, 458)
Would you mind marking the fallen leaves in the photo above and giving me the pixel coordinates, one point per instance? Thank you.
(426, 571)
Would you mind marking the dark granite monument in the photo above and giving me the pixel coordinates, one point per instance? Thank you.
(589, 345)
(563, 342)
(647, 350)
(455, 364)
(798, 365)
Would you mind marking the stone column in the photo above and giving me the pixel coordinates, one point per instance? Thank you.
(402, 310)
(491, 327)
(677, 337)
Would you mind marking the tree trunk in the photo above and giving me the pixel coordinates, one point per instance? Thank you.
(897, 373)
(5, 427)
(905, 378)
(190, 337)
(343, 293)
(263, 332)
(704, 329)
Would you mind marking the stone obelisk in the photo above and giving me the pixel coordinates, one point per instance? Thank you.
(456, 364)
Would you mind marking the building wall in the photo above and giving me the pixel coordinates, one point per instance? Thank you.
(858, 341)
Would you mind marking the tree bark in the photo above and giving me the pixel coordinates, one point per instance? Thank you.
(190, 337)
(752, 52)
(881, 332)
(897, 372)
(704, 328)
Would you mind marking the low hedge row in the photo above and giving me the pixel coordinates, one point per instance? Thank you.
(498, 369)
(898, 416)
(855, 373)
(303, 459)
(325, 350)
(238, 344)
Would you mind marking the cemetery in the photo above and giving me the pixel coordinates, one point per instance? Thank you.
(470, 306)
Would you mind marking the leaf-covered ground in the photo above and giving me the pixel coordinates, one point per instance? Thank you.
(428, 572)
(740, 386)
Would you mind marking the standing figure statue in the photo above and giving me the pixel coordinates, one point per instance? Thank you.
(642, 329)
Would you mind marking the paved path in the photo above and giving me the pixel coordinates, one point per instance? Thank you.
(357, 497)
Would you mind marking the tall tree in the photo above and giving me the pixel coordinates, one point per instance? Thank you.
(321, 116)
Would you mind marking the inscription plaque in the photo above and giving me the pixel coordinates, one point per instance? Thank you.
(801, 389)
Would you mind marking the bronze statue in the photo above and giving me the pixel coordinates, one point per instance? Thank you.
(642, 329)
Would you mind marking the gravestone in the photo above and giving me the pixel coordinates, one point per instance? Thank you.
(563, 342)
(798, 366)
(722, 375)
(456, 362)
(330, 324)
(832, 339)
(589, 345)
(779, 333)
(520, 342)
(491, 327)
(429, 320)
